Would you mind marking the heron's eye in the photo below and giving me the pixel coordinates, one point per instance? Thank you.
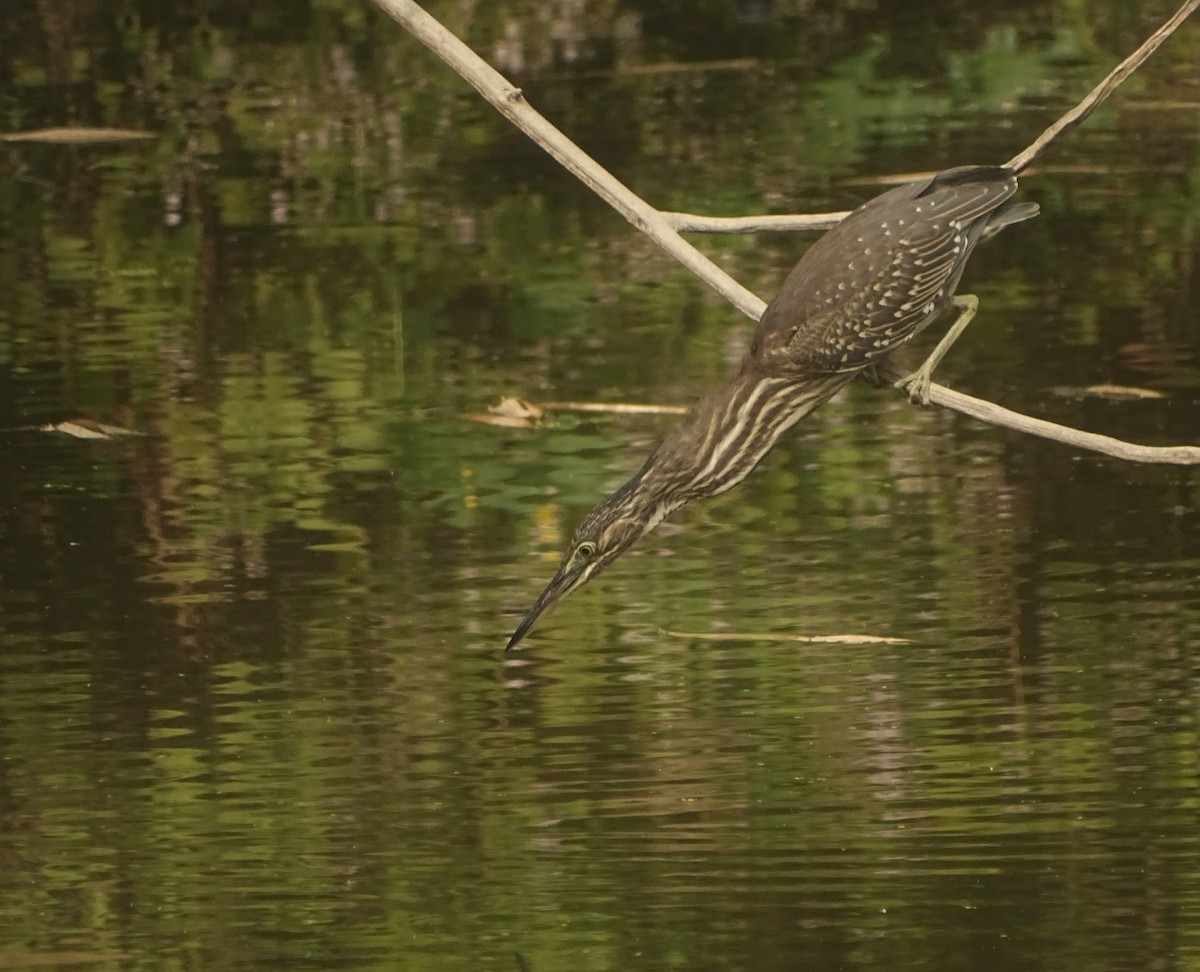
(585, 551)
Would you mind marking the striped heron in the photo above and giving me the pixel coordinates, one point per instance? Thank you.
(861, 291)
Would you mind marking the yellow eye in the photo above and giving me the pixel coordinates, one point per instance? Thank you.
(586, 550)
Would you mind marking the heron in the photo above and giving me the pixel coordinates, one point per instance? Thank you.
(861, 291)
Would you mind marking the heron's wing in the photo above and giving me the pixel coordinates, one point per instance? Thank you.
(873, 281)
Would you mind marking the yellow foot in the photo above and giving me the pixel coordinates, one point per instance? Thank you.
(916, 386)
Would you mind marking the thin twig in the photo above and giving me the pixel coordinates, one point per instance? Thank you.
(1076, 115)
(842, 639)
(509, 101)
(614, 408)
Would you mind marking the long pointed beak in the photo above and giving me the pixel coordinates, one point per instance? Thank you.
(562, 583)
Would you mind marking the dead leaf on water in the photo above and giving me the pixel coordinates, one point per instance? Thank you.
(1115, 393)
(509, 413)
(516, 408)
(1122, 392)
(87, 429)
(77, 136)
(842, 639)
(516, 413)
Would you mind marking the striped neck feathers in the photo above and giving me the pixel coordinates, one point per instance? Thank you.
(713, 449)
(726, 435)
(719, 443)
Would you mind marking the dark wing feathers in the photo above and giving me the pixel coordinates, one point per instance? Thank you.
(885, 271)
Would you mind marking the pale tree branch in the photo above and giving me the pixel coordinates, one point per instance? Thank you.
(693, 223)
(994, 414)
(662, 228)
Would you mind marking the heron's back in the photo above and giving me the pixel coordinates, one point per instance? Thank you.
(872, 282)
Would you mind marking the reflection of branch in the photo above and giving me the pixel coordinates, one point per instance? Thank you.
(509, 101)
(1073, 118)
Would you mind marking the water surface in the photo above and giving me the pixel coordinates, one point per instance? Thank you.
(254, 711)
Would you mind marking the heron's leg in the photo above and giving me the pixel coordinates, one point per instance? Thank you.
(871, 375)
(917, 384)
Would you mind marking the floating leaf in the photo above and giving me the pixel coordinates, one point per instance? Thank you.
(77, 136)
(842, 639)
(516, 413)
(1116, 393)
(87, 429)
(510, 407)
(511, 413)
(1122, 392)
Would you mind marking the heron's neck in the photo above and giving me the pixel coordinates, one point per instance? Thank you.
(720, 441)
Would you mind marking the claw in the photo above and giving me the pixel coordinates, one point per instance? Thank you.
(916, 386)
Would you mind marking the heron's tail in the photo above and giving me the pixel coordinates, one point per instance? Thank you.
(1006, 215)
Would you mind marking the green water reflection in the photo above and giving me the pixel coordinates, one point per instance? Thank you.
(253, 708)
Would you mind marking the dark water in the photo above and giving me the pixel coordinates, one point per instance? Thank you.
(254, 711)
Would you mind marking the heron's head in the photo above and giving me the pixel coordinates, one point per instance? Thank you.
(606, 533)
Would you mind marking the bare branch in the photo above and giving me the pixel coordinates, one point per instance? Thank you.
(691, 223)
(1076, 115)
(993, 414)
(509, 101)
(615, 408)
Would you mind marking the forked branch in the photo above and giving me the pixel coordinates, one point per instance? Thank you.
(664, 228)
